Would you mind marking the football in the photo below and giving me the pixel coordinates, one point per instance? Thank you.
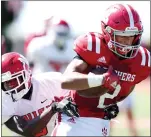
(95, 91)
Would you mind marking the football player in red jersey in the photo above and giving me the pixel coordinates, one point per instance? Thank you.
(117, 47)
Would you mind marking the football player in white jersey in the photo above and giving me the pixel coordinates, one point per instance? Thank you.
(29, 102)
(51, 50)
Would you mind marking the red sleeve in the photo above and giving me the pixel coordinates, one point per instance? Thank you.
(144, 70)
(88, 47)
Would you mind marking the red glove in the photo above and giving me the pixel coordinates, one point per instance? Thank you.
(111, 79)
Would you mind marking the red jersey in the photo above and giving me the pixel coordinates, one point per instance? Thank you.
(93, 49)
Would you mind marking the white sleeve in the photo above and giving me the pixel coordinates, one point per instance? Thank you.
(52, 82)
(8, 107)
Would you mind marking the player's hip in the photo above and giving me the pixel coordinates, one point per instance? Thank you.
(96, 113)
(83, 126)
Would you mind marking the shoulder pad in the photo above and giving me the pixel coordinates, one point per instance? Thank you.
(88, 46)
(88, 42)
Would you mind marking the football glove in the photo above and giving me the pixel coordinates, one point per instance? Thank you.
(111, 79)
(66, 106)
(111, 111)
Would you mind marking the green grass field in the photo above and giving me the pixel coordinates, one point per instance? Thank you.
(141, 111)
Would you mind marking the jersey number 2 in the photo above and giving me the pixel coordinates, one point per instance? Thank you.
(108, 96)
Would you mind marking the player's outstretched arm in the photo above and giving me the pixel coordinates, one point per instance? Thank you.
(20, 126)
(30, 128)
(74, 79)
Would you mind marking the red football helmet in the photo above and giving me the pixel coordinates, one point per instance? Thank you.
(16, 75)
(122, 20)
(59, 30)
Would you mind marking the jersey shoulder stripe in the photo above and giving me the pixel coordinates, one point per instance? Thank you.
(93, 42)
(148, 56)
(145, 54)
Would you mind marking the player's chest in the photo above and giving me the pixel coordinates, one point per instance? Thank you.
(37, 103)
(127, 77)
(31, 110)
(126, 70)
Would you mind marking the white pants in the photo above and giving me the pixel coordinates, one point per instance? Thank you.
(83, 126)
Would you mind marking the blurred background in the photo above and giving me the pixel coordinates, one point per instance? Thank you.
(21, 21)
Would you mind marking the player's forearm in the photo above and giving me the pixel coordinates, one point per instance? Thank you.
(79, 81)
(30, 128)
(40, 122)
(75, 81)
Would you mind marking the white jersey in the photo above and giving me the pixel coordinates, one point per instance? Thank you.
(45, 87)
(7, 111)
(46, 57)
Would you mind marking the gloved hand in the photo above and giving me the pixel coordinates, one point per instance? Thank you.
(111, 79)
(66, 106)
(111, 111)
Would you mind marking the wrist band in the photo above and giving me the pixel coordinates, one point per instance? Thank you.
(95, 80)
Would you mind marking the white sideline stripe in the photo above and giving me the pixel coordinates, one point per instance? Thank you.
(148, 58)
(130, 15)
(97, 43)
(143, 56)
(89, 42)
